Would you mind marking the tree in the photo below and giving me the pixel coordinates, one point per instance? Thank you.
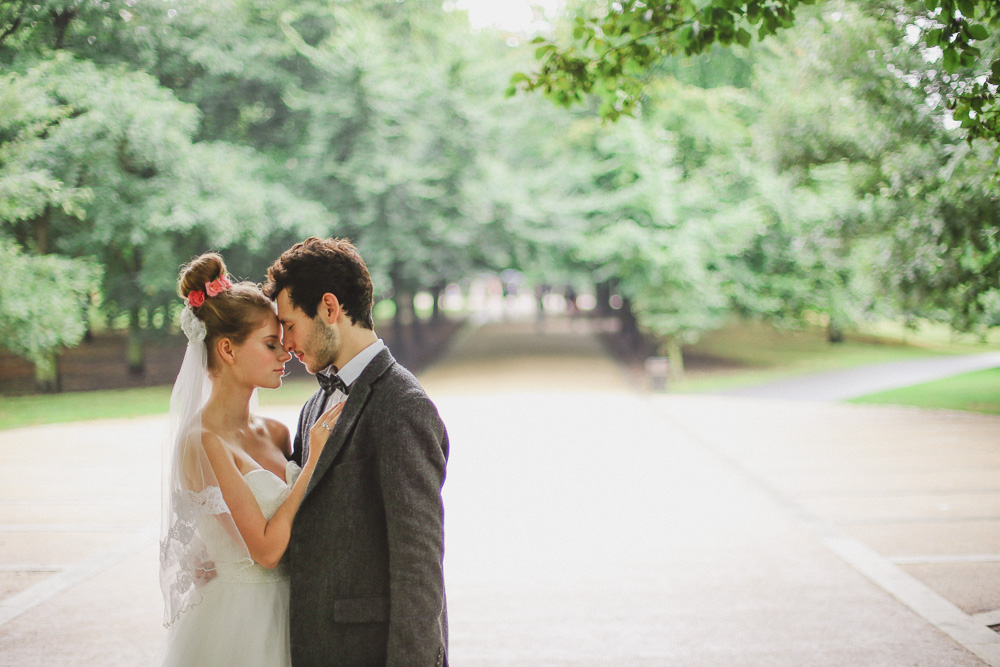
(613, 51)
(666, 210)
(915, 201)
(43, 307)
(102, 165)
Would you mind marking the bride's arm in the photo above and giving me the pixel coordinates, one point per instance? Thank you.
(266, 540)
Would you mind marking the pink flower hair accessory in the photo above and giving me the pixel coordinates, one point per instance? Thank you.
(195, 298)
(218, 286)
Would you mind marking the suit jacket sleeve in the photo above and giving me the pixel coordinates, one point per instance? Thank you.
(412, 463)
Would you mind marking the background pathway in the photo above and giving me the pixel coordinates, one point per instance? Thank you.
(854, 382)
(587, 524)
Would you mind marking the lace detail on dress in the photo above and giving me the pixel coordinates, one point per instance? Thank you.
(192, 507)
(200, 548)
(206, 501)
(184, 555)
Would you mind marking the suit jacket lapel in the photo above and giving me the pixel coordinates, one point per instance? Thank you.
(353, 408)
(310, 413)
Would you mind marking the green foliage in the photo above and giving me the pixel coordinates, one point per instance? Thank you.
(29, 186)
(613, 49)
(924, 203)
(43, 306)
(114, 152)
(766, 180)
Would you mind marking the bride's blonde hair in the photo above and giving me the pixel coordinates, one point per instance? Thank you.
(232, 313)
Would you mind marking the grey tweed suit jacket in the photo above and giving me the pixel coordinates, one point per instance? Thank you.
(367, 545)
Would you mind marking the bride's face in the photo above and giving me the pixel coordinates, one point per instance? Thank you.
(260, 359)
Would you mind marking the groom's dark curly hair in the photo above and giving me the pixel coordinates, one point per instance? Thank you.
(316, 266)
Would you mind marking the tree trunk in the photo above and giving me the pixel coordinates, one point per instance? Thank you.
(61, 21)
(88, 334)
(629, 326)
(603, 294)
(675, 357)
(399, 342)
(416, 324)
(135, 354)
(47, 379)
(436, 308)
(834, 334)
(41, 230)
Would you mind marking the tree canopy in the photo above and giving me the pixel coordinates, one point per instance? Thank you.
(812, 169)
(612, 49)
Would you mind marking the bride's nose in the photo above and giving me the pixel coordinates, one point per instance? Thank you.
(285, 354)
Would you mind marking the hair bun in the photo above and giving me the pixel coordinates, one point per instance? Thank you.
(202, 269)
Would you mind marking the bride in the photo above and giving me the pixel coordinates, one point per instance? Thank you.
(229, 492)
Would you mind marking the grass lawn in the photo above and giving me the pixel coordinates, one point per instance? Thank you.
(119, 403)
(975, 392)
(80, 405)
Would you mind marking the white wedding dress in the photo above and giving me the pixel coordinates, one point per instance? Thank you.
(242, 619)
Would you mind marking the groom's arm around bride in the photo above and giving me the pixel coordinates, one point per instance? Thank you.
(367, 546)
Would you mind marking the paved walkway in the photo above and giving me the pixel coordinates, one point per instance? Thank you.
(853, 382)
(587, 524)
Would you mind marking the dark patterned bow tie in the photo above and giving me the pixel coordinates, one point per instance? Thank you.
(330, 383)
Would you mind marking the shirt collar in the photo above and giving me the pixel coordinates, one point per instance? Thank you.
(353, 368)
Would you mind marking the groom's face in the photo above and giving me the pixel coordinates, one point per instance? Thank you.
(312, 340)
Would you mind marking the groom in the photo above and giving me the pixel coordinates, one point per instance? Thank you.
(367, 581)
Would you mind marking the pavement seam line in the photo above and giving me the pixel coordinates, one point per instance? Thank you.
(964, 629)
(50, 587)
(923, 601)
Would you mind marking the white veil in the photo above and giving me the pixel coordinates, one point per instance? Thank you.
(194, 513)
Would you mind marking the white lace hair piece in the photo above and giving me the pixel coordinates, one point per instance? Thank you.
(192, 326)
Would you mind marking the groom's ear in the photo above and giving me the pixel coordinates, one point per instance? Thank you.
(329, 308)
